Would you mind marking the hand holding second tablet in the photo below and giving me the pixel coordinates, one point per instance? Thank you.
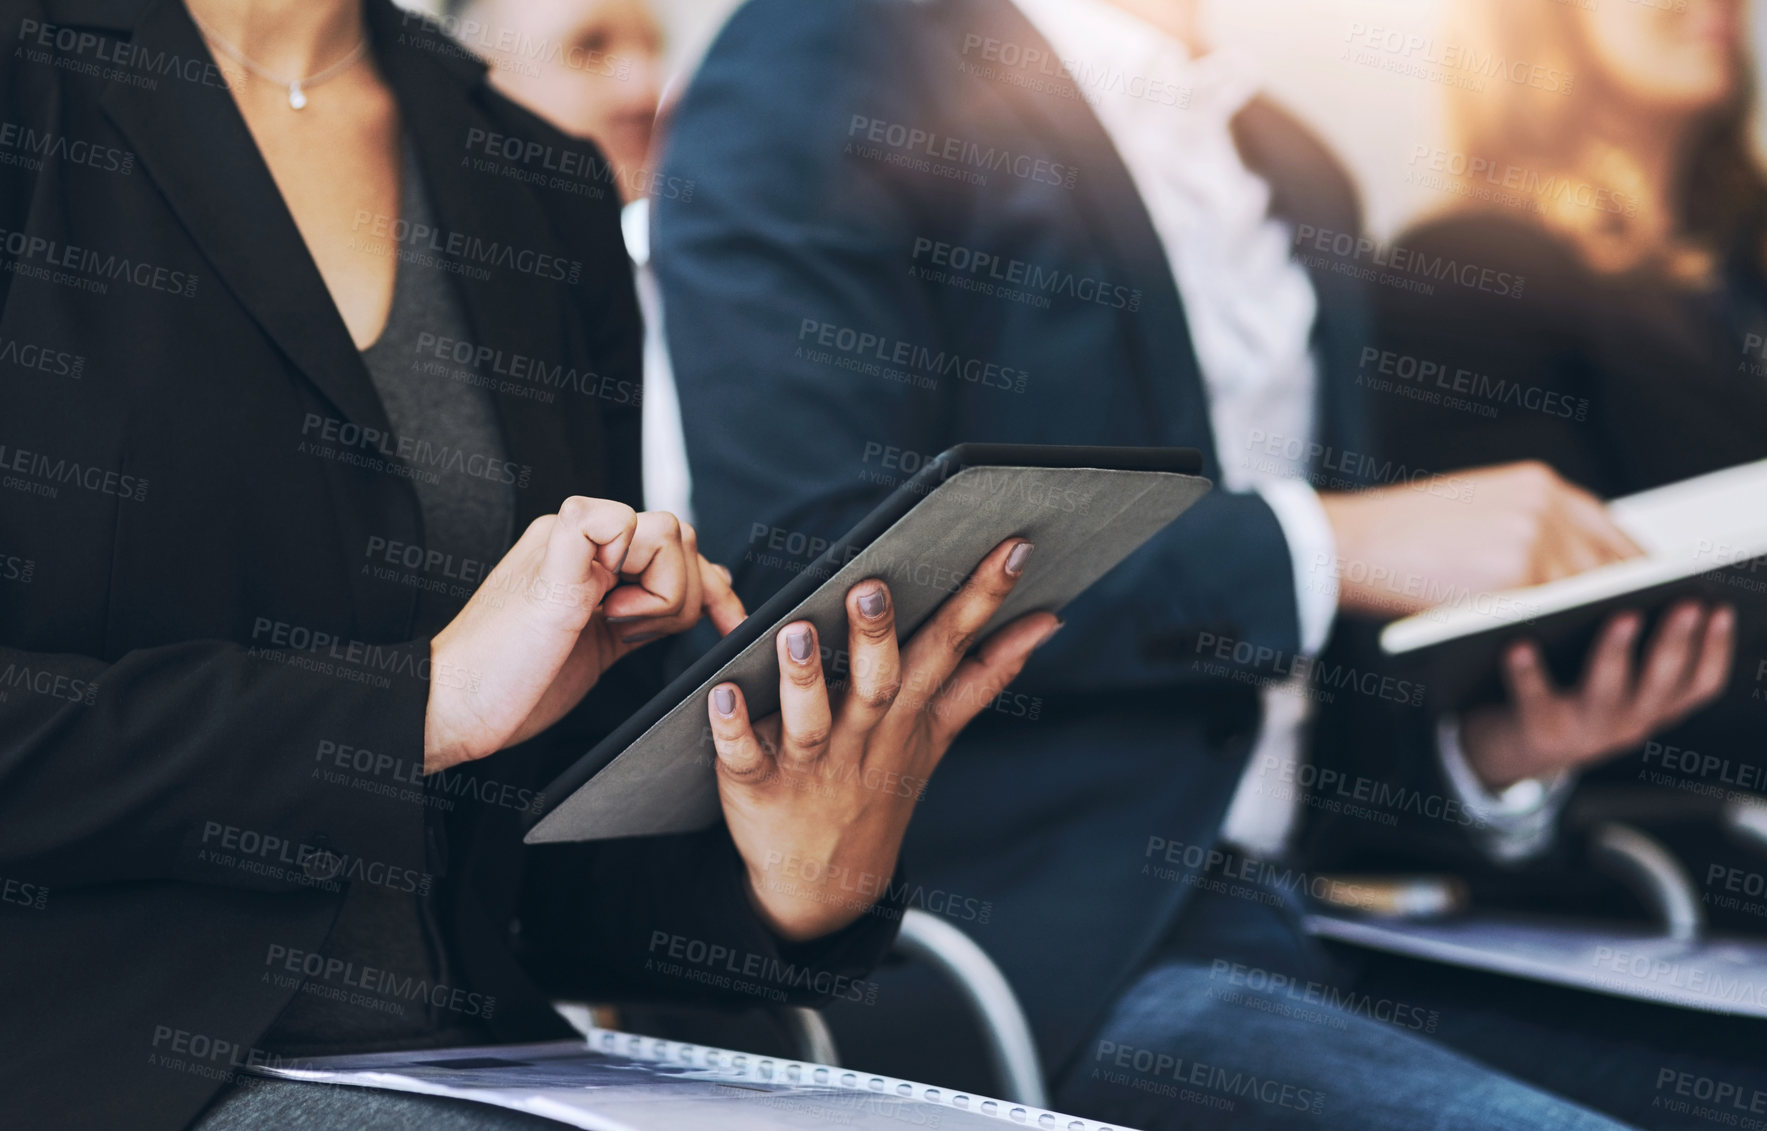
(818, 796)
(578, 590)
(1625, 695)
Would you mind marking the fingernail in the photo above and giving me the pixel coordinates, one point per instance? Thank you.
(1053, 629)
(799, 644)
(723, 702)
(642, 638)
(1521, 658)
(873, 604)
(1015, 561)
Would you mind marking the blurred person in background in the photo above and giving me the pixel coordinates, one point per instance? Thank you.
(1069, 221)
(595, 69)
(592, 68)
(1635, 209)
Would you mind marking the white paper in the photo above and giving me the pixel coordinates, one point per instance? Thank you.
(621, 1082)
(1714, 975)
(1727, 508)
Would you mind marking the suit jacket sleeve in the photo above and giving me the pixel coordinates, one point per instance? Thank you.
(768, 257)
(669, 920)
(154, 763)
(169, 763)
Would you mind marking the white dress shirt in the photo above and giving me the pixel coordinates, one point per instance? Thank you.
(1250, 309)
(667, 484)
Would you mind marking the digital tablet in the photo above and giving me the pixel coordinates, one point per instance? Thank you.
(1086, 508)
(1703, 538)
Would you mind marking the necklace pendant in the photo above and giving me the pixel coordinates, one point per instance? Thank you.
(297, 98)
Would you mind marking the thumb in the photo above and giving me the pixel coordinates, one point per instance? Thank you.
(722, 604)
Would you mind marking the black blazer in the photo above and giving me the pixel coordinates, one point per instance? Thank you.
(1621, 384)
(807, 306)
(211, 697)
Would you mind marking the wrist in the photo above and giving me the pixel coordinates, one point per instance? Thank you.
(1495, 749)
(1390, 553)
(798, 911)
(440, 750)
(1344, 513)
(802, 895)
(444, 743)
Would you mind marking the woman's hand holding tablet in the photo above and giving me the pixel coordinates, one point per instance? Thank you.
(818, 796)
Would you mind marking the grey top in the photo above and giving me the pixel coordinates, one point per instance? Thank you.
(398, 960)
(451, 425)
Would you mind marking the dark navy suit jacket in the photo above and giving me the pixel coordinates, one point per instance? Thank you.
(893, 245)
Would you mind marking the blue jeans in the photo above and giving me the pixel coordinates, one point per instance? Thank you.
(1184, 1048)
(1244, 1023)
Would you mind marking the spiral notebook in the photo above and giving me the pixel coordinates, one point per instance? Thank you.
(614, 1081)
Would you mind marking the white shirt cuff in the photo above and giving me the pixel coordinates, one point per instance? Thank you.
(1514, 825)
(1307, 531)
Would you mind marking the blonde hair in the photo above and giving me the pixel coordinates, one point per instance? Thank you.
(1579, 183)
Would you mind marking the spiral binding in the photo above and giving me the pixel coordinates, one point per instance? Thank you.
(779, 1070)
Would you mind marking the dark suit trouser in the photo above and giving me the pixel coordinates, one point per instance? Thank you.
(280, 1105)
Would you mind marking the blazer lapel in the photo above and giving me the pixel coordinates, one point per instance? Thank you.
(1309, 188)
(192, 141)
(1168, 377)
